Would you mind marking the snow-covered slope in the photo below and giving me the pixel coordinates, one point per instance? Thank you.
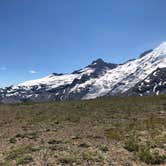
(53, 81)
(55, 86)
(126, 76)
(95, 80)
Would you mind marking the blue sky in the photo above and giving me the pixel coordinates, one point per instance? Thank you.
(38, 37)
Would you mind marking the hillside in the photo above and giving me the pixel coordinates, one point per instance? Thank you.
(112, 132)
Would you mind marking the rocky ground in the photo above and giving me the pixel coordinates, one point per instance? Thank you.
(101, 132)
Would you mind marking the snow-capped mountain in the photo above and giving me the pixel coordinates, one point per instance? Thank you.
(96, 80)
(55, 86)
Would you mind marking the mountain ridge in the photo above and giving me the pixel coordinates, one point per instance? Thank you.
(95, 80)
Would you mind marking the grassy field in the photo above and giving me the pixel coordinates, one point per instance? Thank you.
(102, 132)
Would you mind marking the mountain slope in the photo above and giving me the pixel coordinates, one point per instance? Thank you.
(95, 80)
(154, 84)
(126, 76)
(55, 86)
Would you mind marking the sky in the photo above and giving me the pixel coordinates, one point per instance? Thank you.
(39, 37)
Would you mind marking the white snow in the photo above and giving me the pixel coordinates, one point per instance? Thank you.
(139, 69)
(117, 80)
(154, 88)
(157, 93)
(53, 81)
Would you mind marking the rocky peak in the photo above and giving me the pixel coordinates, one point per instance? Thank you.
(99, 63)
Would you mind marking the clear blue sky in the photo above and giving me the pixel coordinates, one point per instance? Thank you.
(64, 35)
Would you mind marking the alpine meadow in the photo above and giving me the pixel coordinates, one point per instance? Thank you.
(82, 83)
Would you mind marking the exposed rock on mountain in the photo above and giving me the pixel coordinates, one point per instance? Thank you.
(142, 76)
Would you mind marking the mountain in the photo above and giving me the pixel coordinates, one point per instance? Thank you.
(96, 80)
(153, 84)
(56, 86)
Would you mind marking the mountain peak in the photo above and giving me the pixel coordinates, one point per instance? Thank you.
(161, 48)
(97, 61)
(145, 53)
(55, 74)
(163, 44)
(158, 51)
(95, 80)
(98, 65)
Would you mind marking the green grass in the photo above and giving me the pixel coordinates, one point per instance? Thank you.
(24, 160)
(148, 157)
(69, 160)
(19, 152)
